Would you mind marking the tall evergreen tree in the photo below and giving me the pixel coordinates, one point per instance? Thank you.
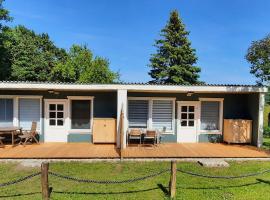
(175, 59)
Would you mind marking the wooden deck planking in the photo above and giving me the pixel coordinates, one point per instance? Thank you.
(170, 150)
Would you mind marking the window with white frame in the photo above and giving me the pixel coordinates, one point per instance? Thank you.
(80, 114)
(162, 115)
(138, 113)
(151, 113)
(6, 112)
(210, 115)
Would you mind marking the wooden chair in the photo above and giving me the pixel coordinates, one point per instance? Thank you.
(29, 135)
(150, 135)
(1, 141)
(135, 134)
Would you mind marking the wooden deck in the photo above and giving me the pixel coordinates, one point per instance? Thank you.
(172, 150)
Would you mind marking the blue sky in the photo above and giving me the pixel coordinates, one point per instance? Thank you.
(124, 31)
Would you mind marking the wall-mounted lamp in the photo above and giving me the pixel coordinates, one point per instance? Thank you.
(53, 92)
(189, 94)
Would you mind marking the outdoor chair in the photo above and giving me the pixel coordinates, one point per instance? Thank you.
(135, 134)
(151, 135)
(29, 135)
(1, 141)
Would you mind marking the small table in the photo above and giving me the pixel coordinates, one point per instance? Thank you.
(13, 130)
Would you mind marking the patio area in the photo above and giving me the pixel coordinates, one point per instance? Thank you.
(102, 151)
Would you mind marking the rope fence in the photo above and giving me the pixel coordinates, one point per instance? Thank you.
(108, 181)
(46, 190)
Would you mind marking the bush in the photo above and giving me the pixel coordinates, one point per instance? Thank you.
(266, 131)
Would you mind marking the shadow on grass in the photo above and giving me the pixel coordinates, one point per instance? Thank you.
(106, 193)
(164, 189)
(19, 195)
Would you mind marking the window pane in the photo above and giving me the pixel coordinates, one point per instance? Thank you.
(184, 108)
(162, 114)
(60, 114)
(52, 115)
(52, 107)
(191, 123)
(52, 122)
(191, 108)
(191, 116)
(210, 115)
(60, 107)
(80, 114)
(137, 113)
(6, 112)
(184, 123)
(60, 122)
(184, 116)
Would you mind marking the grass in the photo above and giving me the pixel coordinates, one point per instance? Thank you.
(188, 187)
(266, 143)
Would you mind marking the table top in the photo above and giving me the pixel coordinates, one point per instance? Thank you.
(10, 128)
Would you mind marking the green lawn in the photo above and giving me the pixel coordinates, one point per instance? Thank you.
(266, 143)
(188, 187)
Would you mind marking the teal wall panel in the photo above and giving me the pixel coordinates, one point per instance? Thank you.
(213, 138)
(76, 137)
(168, 138)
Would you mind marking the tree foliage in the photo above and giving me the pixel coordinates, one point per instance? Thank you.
(4, 14)
(82, 67)
(30, 56)
(258, 55)
(175, 59)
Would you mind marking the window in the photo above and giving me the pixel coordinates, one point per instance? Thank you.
(80, 114)
(56, 114)
(162, 115)
(137, 113)
(6, 112)
(151, 113)
(29, 111)
(187, 116)
(210, 115)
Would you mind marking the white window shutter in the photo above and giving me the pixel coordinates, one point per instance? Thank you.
(210, 115)
(137, 113)
(162, 115)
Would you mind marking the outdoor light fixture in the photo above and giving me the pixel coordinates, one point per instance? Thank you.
(50, 91)
(189, 94)
(53, 92)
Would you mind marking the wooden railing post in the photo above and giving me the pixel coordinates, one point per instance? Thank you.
(45, 181)
(172, 186)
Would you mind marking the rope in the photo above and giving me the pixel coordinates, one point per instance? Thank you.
(224, 177)
(108, 181)
(19, 180)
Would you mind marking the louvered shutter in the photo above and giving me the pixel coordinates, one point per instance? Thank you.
(137, 113)
(6, 112)
(210, 115)
(162, 114)
(29, 111)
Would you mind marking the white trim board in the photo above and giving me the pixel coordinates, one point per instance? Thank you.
(131, 87)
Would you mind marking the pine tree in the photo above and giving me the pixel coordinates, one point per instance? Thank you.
(175, 59)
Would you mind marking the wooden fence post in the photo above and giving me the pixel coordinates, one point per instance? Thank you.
(45, 181)
(172, 186)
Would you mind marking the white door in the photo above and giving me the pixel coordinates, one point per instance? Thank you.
(187, 118)
(56, 120)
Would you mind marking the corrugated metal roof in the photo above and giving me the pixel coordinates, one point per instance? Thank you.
(131, 83)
